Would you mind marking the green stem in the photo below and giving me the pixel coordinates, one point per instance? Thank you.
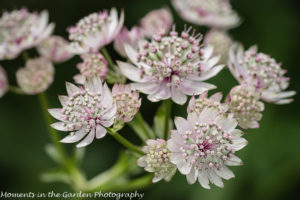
(16, 90)
(25, 56)
(168, 105)
(108, 58)
(53, 133)
(125, 142)
(141, 128)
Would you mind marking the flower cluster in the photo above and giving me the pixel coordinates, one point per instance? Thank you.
(215, 13)
(261, 71)
(20, 30)
(94, 64)
(245, 105)
(86, 112)
(95, 30)
(171, 66)
(55, 48)
(204, 145)
(36, 76)
(127, 101)
(157, 160)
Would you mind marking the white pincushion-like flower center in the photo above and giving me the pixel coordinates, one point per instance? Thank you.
(16, 26)
(93, 65)
(90, 24)
(157, 158)
(207, 146)
(171, 57)
(202, 103)
(83, 110)
(245, 105)
(266, 69)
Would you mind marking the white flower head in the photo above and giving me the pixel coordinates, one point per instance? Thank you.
(199, 104)
(156, 22)
(130, 37)
(127, 100)
(36, 76)
(204, 145)
(3, 82)
(171, 66)
(55, 48)
(20, 30)
(261, 71)
(85, 112)
(95, 31)
(157, 160)
(94, 64)
(221, 42)
(244, 104)
(213, 13)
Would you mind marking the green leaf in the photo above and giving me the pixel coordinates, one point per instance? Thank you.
(53, 153)
(159, 121)
(141, 127)
(55, 175)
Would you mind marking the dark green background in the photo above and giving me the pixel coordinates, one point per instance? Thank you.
(271, 167)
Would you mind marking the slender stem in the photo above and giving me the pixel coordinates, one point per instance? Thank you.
(125, 142)
(168, 105)
(16, 90)
(53, 133)
(108, 58)
(25, 56)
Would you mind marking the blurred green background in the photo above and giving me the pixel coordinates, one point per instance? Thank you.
(271, 167)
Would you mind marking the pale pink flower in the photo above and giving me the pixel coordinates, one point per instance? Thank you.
(36, 76)
(94, 64)
(198, 105)
(95, 31)
(171, 66)
(3, 82)
(261, 71)
(221, 42)
(55, 48)
(85, 112)
(204, 145)
(244, 104)
(131, 38)
(157, 160)
(156, 22)
(214, 13)
(127, 100)
(20, 30)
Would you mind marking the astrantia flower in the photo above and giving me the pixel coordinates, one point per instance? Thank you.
(261, 71)
(95, 31)
(214, 13)
(3, 82)
(21, 30)
(221, 42)
(157, 160)
(171, 66)
(36, 76)
(128, 102)
(244, 103)
(157, 22)
(204, 145)
(131, 38)
(94, 64)
(198, 105)
(85, 113)
(55, 48)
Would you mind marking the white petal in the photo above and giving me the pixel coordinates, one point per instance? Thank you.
(72, 89)
(184, 167)
(75, 137)
(132, 54)
(130, 71)
(239, 143)
(192, 176)
(57, 113)
(189, 87)
(147, 87)
(215, 179)
(225, 173)
(63, 100)
(233, 161)
(216, 97)
(157, 177)
(177, 96)
(182, 125)
(203, 180)
(100, 132)
(87, 140)
(141, 161)
(59, 126)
